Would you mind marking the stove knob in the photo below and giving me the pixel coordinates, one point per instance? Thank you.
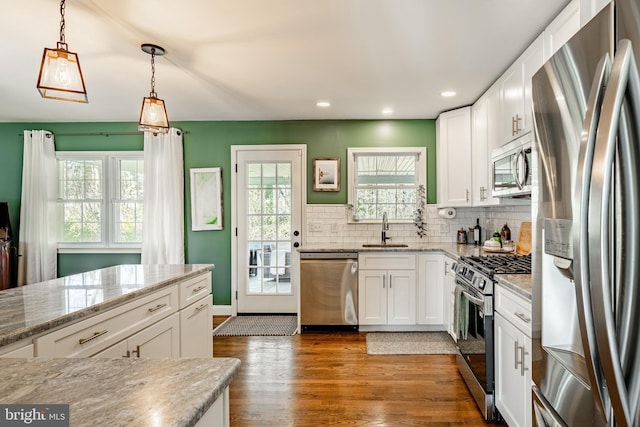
(481, 284)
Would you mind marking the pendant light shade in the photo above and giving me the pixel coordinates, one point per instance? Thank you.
(153, 116)
(60, 74)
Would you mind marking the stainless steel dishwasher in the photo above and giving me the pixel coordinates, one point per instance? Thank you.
(328, 291)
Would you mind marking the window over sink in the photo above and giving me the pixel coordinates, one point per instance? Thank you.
(385, 180)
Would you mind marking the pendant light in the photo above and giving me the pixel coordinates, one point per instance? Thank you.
(153, 116)
(60, 74)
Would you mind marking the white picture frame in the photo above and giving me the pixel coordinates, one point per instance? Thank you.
(206, 199)
(326, 174)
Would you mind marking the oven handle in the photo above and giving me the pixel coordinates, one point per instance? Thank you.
(475, 300)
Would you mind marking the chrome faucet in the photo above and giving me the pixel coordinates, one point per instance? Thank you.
(385, 228)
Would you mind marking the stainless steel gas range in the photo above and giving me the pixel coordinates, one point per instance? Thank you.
(474, 322)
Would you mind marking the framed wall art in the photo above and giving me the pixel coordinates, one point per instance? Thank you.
(326, 174)
(206, 199)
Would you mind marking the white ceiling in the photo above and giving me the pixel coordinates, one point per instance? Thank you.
(267, 60)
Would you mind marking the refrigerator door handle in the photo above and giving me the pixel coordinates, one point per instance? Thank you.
(599, 234)
(580, 236)
(544, 414)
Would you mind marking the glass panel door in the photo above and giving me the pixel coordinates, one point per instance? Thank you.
(268, 217)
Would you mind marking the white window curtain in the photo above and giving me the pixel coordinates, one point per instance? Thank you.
(37, 243)
(163, 220)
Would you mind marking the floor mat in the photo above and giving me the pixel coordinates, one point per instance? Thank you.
(410, 343)
(257, 326)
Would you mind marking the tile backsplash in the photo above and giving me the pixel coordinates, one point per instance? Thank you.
(327, 224)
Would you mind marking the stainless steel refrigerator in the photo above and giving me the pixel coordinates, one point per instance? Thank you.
(586, 209)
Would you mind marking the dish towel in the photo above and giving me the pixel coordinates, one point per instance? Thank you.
(461, 314)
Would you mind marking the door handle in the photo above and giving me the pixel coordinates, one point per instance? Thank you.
(623, 71)
(580, 243)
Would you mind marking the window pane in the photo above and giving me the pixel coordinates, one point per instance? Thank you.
(284, 175)
(385, 182)
(254, 172)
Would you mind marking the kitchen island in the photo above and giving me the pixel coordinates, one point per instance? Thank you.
(124, 345)
(119, 392)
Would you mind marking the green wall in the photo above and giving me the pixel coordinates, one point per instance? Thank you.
(208, 144)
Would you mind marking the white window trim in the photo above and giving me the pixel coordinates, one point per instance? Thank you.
(421, 169)
(109, 169)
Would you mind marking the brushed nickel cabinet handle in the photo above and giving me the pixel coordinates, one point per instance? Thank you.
(157, 307)
(516, 349)
(198, 289)
(522, 367)
(202, 307)
(92, 337)
(523, 317)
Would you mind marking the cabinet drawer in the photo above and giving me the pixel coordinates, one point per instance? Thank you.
(90, 336)
(515, 309)
(387, 260)
(193, 289)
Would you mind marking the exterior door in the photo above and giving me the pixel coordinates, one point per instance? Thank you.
(269, 193)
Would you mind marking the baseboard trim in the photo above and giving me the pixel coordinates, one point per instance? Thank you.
(222, 310)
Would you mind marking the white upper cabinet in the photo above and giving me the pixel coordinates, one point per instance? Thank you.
(562, 28)
(485, 136)
(590, 8)
(516, 91)
(453, 139)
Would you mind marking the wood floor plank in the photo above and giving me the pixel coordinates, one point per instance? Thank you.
(328, 379)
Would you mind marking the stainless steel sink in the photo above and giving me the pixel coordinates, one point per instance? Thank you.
(385, 245)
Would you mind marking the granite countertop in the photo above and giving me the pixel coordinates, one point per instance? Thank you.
(452, 249)
(518, 283)
(36, 308)
(120, 392)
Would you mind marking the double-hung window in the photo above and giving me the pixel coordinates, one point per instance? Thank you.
(385, 180)
(100, 198)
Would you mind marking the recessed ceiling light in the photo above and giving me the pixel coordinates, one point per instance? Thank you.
(323, 104)
(448, 93)
(387, 111)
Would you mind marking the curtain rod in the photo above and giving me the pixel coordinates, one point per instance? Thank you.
(102, 133)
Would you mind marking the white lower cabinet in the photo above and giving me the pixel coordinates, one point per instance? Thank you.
(449, 284)
(513, 358)
(386, 295)
(431, 293)
(162, 339)
(193, 320)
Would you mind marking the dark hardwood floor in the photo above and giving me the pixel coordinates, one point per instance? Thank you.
(329, 380)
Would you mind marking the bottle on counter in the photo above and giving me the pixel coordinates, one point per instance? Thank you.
(505, 233)
(496, 237)
(477, 233)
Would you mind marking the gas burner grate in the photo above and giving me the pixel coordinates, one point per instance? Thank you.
(501, 264)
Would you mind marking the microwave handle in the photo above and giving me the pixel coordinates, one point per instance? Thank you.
(527, 166)
(515, 169)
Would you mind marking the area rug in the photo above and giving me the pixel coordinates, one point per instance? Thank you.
(257, 326)
(410, 343)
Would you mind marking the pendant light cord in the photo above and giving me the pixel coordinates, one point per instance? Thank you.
(62, 23)
(153, 72)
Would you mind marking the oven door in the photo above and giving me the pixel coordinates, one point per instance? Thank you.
(475, 328)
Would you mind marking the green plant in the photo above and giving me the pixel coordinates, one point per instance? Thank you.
(421, 208)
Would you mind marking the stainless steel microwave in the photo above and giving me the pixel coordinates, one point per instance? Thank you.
(512, 168)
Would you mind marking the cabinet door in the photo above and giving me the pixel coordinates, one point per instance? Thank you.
(513, 375)
(159, 340)
(25, 351)
(450, 290)
(532, 61)
(431, 294)
(454, 158)
(480, 151)
(512, 102)
(562, 28)
(117, 350)
(196, 328)
(372, 297)
(401, 293)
